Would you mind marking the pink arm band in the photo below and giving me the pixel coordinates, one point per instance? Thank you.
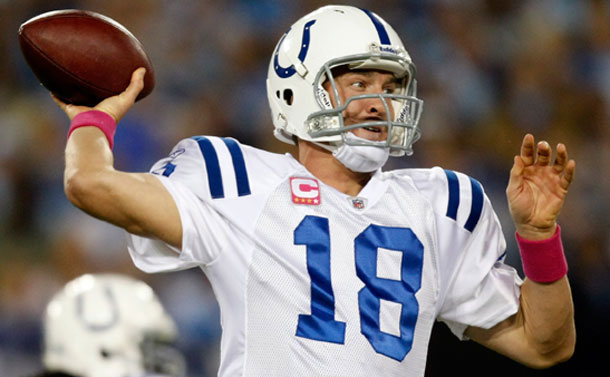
(95, 118)
(544, 260)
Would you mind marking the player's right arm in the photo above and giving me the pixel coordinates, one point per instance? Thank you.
(137, 202)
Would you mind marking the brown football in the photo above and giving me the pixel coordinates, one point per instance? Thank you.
(83, 57)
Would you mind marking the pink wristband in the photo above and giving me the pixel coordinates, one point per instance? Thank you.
(543, 261)
(95, 118)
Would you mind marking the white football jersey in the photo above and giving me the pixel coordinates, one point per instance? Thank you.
(313, 282)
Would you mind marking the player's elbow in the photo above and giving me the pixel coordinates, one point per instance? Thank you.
(566, 353)
(76, 186)
(555, 355)
(548, 361)
(81, 188)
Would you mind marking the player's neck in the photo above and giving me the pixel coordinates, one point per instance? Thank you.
(329, 170)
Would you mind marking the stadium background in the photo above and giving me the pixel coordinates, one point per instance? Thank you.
(488, 71)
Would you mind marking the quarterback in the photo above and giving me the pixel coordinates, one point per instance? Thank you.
(324, 264)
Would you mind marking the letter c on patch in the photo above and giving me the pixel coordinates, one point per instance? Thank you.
(305, 188)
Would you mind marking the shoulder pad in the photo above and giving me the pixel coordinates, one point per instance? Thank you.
(452, 194)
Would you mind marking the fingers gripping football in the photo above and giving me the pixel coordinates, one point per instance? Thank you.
(115, 106)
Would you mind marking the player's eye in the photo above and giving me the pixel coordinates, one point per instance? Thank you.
(358, 84)
(391, 89)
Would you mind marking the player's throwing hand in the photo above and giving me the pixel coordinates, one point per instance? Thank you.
(115, 106)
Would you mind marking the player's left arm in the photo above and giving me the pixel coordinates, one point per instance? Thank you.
(541, 333)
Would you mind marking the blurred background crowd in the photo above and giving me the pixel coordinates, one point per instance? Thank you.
(488, 71)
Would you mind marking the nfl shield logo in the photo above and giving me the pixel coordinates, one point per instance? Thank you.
(358, 203)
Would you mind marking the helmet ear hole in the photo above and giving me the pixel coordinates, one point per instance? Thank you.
(288, 96)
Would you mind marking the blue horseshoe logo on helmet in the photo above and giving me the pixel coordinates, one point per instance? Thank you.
(285, 72)
(80, 312)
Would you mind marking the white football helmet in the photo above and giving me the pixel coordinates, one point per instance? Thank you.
(303, 59)
(109, 325)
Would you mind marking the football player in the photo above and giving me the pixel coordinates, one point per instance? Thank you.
(102, 325)
(324, 264)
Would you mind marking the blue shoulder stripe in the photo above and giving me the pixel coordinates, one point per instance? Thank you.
(212, 166)
(477, 205)
(241, 175)
(454, 194)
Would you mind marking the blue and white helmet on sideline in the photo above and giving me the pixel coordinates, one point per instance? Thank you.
(103, 325)
(332, 36)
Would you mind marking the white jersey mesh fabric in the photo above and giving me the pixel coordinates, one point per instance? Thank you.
(280, 286)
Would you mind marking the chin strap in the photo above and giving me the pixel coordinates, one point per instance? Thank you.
(361, 158)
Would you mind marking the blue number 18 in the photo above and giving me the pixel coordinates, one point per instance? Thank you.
(314, 233)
